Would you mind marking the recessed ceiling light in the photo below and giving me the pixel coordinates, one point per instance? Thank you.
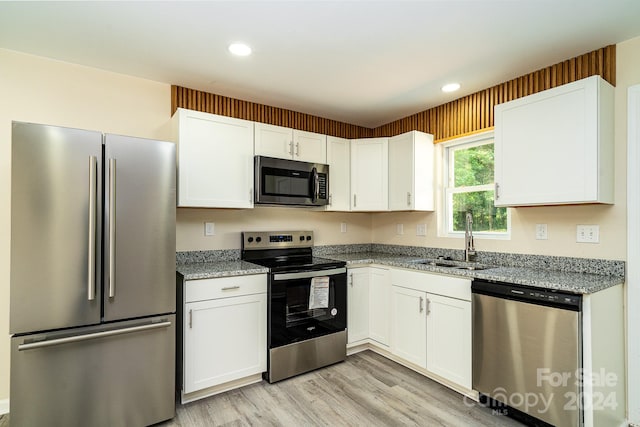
(451, 87)
(240, 49)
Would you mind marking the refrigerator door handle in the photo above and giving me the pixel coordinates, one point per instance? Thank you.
(91, 261)
(93, 336)
(112, 228)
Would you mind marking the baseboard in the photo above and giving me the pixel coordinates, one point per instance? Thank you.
(221, 388)
(4, 406)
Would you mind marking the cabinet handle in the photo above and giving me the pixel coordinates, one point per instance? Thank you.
(291, 148)
(497, 191)
(190, 319)
(351, 279)
(330, 199)
(250, 195)
(297, 149)
(354, 200)
(421, 304)
(408, 199)
(230, 288)
(428, 306)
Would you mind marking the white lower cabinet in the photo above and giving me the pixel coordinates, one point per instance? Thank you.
(409, 325)
(358, 305)
(225, 330)
(431, 324)
(380, 305)
(449, 338)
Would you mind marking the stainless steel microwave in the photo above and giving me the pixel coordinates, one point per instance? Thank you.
(290, 182)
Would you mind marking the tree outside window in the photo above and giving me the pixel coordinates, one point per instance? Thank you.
(470, 188)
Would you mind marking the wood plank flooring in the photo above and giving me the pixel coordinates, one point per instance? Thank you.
(366, 390)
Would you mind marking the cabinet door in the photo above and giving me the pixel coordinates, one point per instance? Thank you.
(411, 172)
(449, 338)
(273, 141)
(224, 340)
(369, 174)
(358, 305)
(409, 325)
(309, 147)
(379, 305)
(556, 146)
(338, 159)
(215, 161)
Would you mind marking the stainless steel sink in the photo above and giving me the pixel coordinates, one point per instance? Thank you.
(458, 265)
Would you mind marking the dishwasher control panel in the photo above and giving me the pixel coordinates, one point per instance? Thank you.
(527, 294)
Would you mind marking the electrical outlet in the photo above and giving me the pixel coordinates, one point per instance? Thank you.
(343, 227)
(209, 228)
(541, 231)
(588, 234)
(399, 229)
(421, 230)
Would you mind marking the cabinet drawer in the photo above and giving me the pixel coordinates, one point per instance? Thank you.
(225, 287)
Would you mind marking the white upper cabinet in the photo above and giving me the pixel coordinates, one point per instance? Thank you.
(411, 172)
(556, 146)
(286, 143)
(369, 174)
(338, 159)
(215, 160)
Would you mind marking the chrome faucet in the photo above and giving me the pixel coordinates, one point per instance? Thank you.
(470, 254)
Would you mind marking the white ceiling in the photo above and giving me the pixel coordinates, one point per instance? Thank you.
(361, 62)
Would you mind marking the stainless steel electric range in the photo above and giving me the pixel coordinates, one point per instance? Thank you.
(307, 302)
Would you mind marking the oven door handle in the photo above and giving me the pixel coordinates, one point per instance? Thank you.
(309, 274)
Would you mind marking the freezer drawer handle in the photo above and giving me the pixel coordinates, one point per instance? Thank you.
(91, 262)
(112, 228)
(87, 337)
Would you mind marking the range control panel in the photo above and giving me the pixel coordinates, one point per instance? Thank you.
(276, 239)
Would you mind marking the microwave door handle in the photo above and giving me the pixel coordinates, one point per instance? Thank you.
(316, 185)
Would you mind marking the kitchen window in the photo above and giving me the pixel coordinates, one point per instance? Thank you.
(469, 187)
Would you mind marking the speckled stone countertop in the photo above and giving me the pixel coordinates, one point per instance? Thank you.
(577, 275)
(579, 283)
(209, 270)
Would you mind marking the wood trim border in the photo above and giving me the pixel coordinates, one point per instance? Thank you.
(469, 114)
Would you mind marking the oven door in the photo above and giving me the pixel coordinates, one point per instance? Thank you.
(304, 305)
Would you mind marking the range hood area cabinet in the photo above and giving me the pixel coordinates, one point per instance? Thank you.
(369, 174)
(339, 161)
(215, 160)
(411, 172)
(292, 144)
(557, 146)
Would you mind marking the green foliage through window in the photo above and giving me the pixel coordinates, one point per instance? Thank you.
(471, 190)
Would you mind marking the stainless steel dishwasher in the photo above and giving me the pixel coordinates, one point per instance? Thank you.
(527, 352)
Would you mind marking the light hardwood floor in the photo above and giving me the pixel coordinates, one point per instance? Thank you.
(366, 390)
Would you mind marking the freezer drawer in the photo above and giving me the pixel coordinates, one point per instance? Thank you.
(121, 374)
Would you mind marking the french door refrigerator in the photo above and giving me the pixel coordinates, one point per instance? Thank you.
(92, 310)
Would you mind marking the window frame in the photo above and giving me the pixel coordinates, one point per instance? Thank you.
(447, 158)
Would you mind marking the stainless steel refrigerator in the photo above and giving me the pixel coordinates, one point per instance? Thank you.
(92, 311)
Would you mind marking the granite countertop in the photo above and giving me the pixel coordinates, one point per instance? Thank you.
(579, 283)
(209, 270)
(547, 273)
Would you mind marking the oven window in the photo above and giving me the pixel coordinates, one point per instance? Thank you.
(284, 182)
(294, 317)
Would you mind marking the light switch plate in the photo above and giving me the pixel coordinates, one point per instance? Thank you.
(343, 227)
(588, 233)
(421, 230)
(399, 229)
